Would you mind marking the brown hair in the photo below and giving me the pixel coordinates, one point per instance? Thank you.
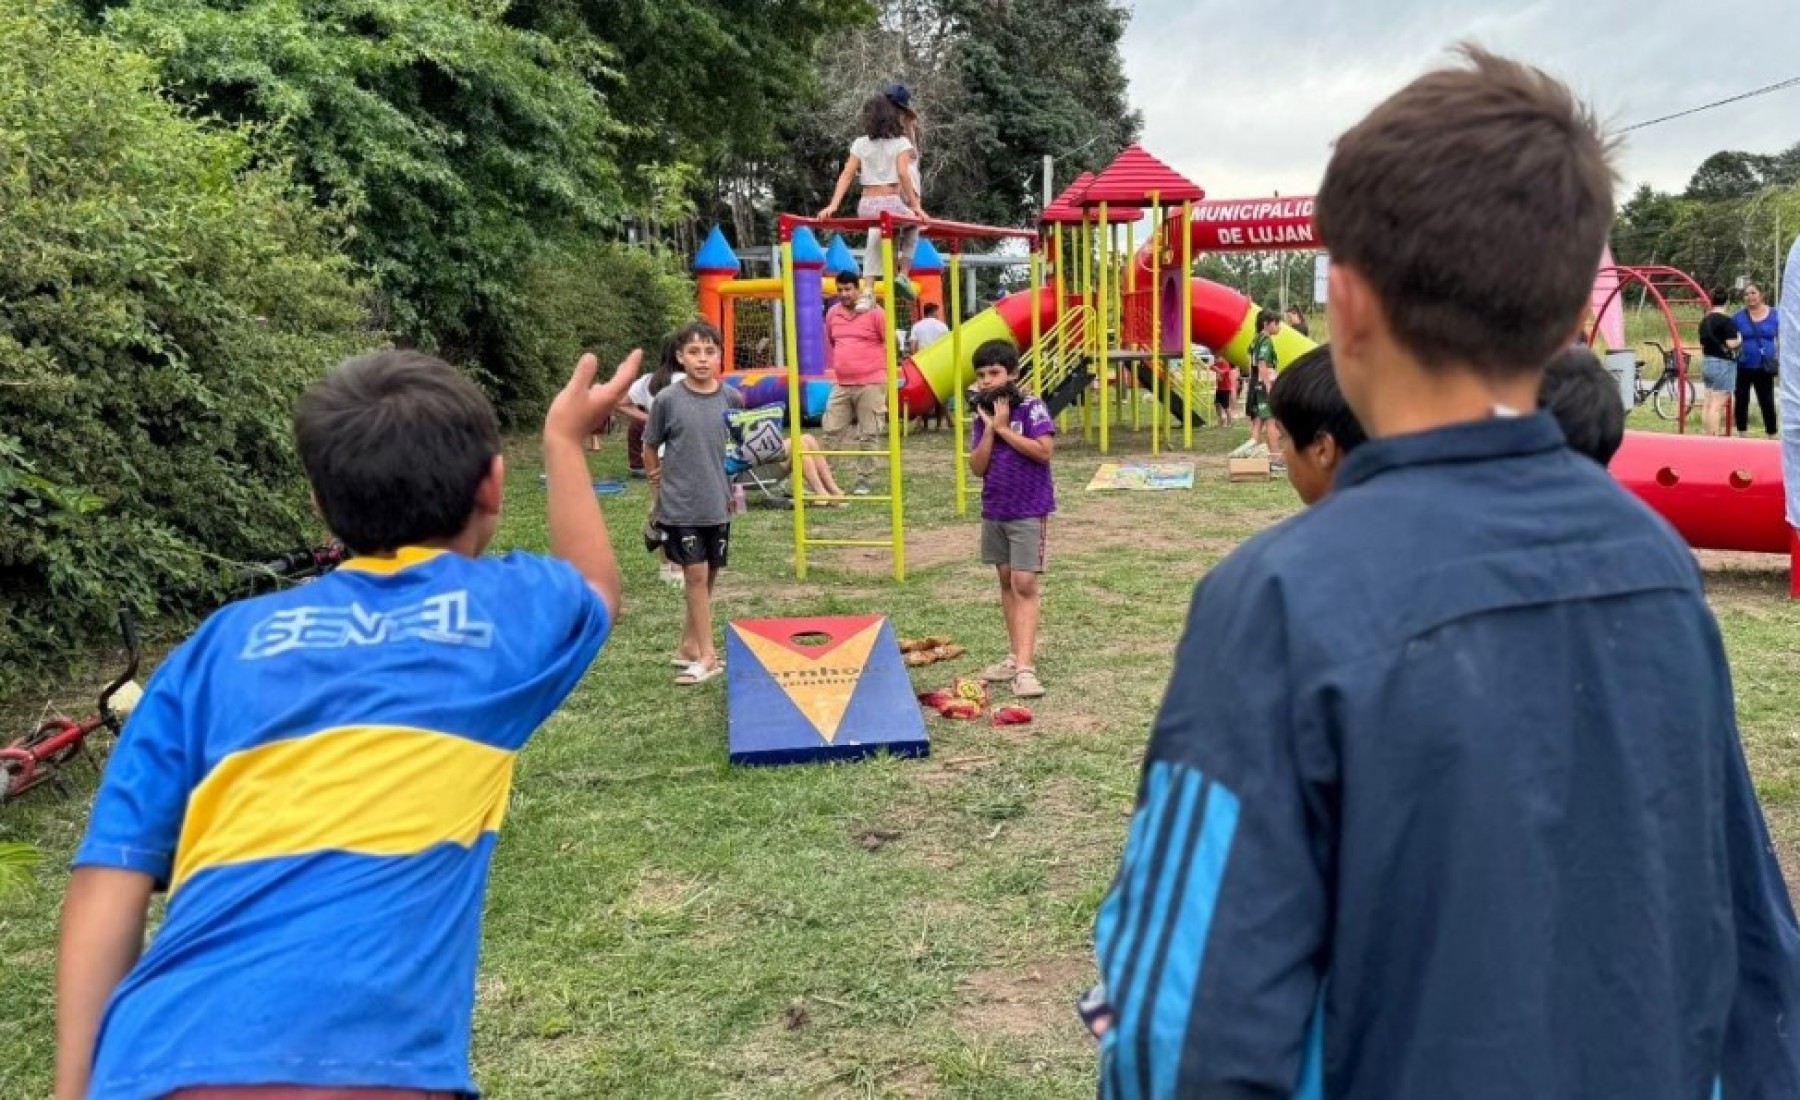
(395, 444)
(881, 119)
(1476, 202)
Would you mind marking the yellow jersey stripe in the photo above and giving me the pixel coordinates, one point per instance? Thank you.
(392, 563)
(374, 790)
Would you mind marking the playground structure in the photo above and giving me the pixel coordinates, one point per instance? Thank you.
(1669, 290)
(1718, 493)
(1107, 322)
(1104, 323)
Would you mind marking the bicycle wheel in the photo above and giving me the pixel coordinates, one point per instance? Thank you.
(1666, 401)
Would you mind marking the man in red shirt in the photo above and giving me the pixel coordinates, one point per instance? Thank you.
(856, 350)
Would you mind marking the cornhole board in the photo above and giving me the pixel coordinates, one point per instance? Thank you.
(799, 691)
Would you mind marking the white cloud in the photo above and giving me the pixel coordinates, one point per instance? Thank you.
(1247, 100)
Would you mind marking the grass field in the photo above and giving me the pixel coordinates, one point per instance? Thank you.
(661, 925)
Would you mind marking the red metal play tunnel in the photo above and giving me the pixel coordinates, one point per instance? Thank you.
(1719, 494)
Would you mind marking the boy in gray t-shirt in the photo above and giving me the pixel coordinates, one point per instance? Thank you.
(693, 505)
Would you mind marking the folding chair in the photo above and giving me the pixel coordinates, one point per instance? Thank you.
(756, 445)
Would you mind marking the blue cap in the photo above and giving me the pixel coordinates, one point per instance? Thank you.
(715, 255)
(900, 95)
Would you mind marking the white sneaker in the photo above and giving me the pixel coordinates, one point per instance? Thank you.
(1261, 451)
(865, 302)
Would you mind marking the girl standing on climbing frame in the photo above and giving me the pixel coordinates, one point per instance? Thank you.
(884, 162)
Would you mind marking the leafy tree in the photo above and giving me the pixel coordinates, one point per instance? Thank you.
(998, 85)
(709, 81)
(1041, 77)
(1643, 226)
(454, 142)
(163, 301)
(578, 292)
(1726, 175)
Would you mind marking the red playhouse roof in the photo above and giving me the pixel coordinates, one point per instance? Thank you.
(1133, 177)
(1066, 207)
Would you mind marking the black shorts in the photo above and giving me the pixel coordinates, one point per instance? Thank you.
(698, 545)
(1221, 399)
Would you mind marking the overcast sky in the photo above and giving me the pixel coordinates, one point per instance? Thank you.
(1245, 98)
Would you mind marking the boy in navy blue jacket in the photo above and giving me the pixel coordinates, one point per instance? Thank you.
(1480, 826)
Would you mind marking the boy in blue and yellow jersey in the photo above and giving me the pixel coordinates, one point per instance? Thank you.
(317, 776)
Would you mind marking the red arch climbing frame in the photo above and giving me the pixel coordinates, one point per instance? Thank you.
(1667, 287)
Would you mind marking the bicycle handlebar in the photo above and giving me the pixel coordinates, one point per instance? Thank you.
(298, 563)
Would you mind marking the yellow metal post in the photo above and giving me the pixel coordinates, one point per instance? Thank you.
(1129, 283)
(957, 426)
(1037, 297)
(790, 335)
(1187, 337)
(1126, 283)
(896, 509)
(1060, 284)
(1105, 360)
(1157, 410)
(1086, 275)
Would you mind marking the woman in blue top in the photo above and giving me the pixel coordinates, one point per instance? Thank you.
(1757, 362)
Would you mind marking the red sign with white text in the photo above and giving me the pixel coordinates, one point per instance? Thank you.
(1254, 225)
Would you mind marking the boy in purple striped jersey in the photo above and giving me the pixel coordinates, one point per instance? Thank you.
(1010, 451)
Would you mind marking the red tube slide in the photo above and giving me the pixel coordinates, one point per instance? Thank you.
(1718, 494)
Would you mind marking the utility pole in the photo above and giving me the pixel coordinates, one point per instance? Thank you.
(1049, 167)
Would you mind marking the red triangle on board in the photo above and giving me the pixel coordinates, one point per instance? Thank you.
(838, 629)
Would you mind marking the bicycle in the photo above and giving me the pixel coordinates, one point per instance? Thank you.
(298, 566)
(39, 756)
(1665, 399)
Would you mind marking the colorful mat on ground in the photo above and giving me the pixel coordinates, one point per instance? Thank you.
(802, 690)
(1143, 476)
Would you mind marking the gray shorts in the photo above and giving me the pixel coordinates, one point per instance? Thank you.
(1019, 543)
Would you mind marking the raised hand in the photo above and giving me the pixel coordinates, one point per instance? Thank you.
(582, 407)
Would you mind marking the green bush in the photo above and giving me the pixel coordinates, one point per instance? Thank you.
(162, 300)
(454, 141)
(584, 295)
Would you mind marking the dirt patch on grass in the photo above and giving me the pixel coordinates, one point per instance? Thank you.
(1109, 522)
(925, 549)
(1023, 1002)
(1743, 581)
(660, 894)
(788, 595)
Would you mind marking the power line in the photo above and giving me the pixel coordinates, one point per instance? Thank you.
(1790, 82)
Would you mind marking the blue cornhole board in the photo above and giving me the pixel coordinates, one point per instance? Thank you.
(799, 691)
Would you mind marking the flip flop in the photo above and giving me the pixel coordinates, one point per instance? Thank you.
(683, 662)
(698, 673)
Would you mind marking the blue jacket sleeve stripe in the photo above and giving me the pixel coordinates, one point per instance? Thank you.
(1178, 979)
(1167, 867)
(1312, 1069)
(1117, 926)
(1127, 888)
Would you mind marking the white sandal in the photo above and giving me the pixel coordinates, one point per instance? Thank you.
(698, 673)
